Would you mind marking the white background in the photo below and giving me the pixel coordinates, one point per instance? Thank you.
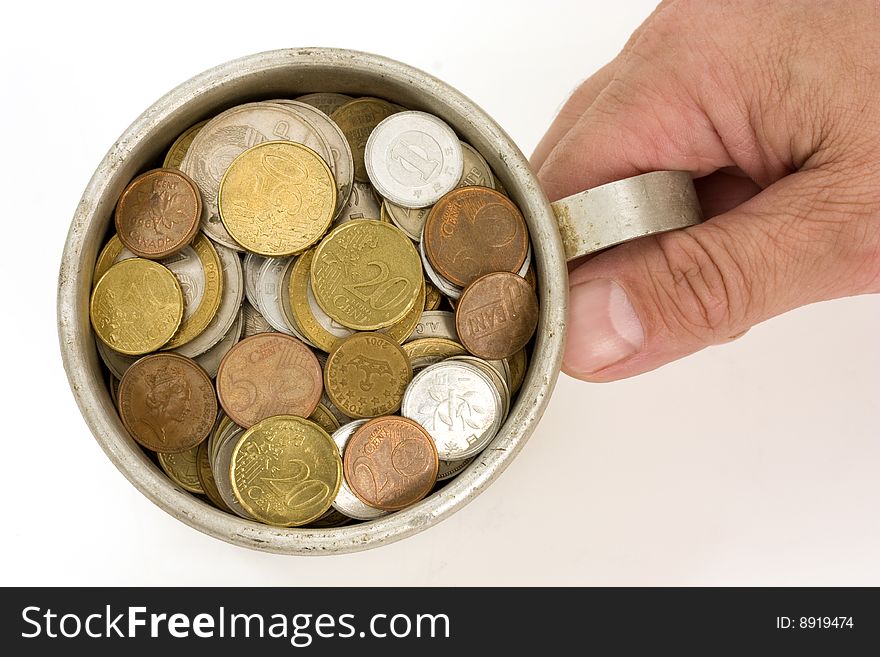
(752, 463)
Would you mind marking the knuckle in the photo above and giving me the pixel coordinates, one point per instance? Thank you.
(698, 286)
(839, 227)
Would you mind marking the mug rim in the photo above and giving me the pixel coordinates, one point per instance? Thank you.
(84, 371)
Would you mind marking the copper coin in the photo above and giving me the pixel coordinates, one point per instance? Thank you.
(167, 403)
(158, 213)
(269, 374)
(496, 315)
(473, 231)
(390, 462)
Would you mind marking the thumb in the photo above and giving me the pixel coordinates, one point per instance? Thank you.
(646, 303)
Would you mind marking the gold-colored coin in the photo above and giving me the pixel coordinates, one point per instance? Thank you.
(366, 274)
(383, 213)
(286, 471)
(357, 119)
(298, 293)
(324, 418)
(332, 518)
(198, 321)
(183, 469)
(518, 364)
(404, 327)
(427, 351)
(136, 306)
(107, 258)
(433, 298)
(213, 441)
(367, 375)
(178, 149)
(324, 332)
(531, 277)
(277, 198)
(206, 479)
(209, 291)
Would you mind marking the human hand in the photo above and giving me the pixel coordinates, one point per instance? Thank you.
(775, 108)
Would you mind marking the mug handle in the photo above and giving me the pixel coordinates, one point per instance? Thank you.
(624, 210)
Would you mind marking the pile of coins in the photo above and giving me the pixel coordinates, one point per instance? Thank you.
(317, 311)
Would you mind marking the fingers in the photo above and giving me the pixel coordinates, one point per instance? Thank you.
(571, 111)
(635, 125)
(646, 303)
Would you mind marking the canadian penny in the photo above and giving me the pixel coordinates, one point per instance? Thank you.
(473, 231)
(268, 374)
(167, 403)
(390, 462)
(158, 213)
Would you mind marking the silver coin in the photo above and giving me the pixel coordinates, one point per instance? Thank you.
(526, 263)
(268, 291)
(189, 272)
(421, 356)
(458, 404)
(211, 437)
(476, 171)
(412, 220)
(435, 324)
(326, 102)
(346, 501)
(230, 304)
(254, 322)
(250, 266)
(221, 470)
(227, 136)
(362, 204)
(117, 363)
(210, 360)
(413, 158)
(284, 294)
(448, 289)
(218, 436)
(340, 151)
(497, 376)
(448, 469)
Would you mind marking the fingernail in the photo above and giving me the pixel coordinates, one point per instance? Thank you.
(603, 327)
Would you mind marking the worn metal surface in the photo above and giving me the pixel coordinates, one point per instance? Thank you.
(626, 209)
(289, 73)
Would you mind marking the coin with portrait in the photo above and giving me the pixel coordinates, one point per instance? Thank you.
(167, 403)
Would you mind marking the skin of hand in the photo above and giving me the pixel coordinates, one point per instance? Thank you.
(774, 107)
